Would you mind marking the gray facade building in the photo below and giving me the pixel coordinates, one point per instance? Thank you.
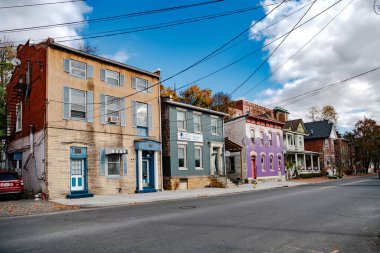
(193, 145)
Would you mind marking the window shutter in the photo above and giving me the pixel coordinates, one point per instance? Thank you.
(134, 113)
(103, 109)
(133, 82)
(102, 162)
(122, 111)
(90, 71)
(122, 80)
(66, 102)
(102, 74)
(90, 109)
(150, 87)
(66, 65)
(125, 164)
(150, 122)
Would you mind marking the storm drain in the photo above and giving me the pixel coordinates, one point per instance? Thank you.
(187, 207)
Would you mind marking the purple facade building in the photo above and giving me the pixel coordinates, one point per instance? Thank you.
(263, 153)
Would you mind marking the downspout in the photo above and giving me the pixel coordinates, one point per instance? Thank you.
(160, 133)
(224, 151)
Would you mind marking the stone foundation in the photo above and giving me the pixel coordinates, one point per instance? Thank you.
(195, 182)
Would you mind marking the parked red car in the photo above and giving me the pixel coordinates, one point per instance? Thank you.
(11, 183)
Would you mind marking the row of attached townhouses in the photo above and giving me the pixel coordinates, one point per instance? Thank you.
(80, 124)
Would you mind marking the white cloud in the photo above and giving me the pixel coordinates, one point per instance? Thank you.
(43, 15)
(347, 47)
(119, 56)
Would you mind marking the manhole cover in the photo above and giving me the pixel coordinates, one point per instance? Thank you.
(186, 207)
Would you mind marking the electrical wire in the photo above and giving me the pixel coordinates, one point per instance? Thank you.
(115, 17)
(40, 4)
(299, 50)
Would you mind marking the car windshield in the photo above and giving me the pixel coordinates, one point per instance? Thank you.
(8, 176)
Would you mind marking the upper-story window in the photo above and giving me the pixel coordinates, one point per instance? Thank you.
(278, 139)
(112, 110)
(141, 85)
(270, 139)
(197, 122)
(327, 143)
(214, 126)
(112, 77)
(182, 157)
(19, 117)
(198, 157)
(181, 120)
(252, 133)
(78, 104)
(262, 137)
(78, 69)
(142, 119)
(300, 141)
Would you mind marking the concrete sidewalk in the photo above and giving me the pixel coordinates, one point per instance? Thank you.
(125, 199)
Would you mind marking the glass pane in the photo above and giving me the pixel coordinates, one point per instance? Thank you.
(181, 152)
(141, 84)
(113, 168)
(114, 158)
(181, 162)
(142, 115)
(197, 153)
(112, 81)
(181, 116)
(113, 74)
(78, 114)
(198, 163)
(78, 65)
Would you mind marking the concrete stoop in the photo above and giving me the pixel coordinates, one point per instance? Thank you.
(222, 182)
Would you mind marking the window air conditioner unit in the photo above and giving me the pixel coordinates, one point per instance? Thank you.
(113, 119)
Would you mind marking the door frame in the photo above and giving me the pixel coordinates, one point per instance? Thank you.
(147, 172)
(83, 156)
(254, 168)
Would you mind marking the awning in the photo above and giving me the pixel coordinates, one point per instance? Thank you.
(109, 151)
(232, 146)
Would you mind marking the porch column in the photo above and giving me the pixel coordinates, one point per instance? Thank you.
(319, 165)
(312, 165)
(156, 153)
(211, 168)
(304, 161)
(296, 160)
(140, 176)
(220, 163)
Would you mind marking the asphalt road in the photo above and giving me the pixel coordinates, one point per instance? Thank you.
(336, 216)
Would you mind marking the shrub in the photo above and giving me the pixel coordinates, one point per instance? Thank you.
(311, 175)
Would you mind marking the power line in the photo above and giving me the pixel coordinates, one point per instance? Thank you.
(31, 5)
(270, 55)
(299, 50)
(303, 96)
(128, 15)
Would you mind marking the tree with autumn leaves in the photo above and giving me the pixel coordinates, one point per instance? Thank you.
(365, 138)
(196, 96)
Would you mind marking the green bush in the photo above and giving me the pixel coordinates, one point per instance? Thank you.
(311, 175)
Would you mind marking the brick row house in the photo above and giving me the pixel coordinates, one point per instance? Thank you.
(75, 130)
(259, 130)
(321, 139)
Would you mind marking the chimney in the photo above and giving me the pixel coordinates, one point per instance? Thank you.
(157, 72)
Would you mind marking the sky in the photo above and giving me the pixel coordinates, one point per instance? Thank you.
(348, 46)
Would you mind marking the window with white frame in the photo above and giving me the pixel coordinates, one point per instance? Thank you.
(300, 141)
(327, 143)
(113, 164)
(112, 110)
(279, 162)
(181, 120)
(278, 140)
(142, 119)
(198, 157)
(262, 137)
(328, 161)
(252, 133)
(78, 69)
(197, 122)
(78, 104)
(18, 117)
(262, 160)
(214, 126)
(271, 165)
(270, 141)
(141, 84)
(182, 156)
(112, 77)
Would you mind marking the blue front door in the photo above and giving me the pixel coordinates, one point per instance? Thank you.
(77, 174)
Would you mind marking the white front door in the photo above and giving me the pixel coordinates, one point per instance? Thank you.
(145, 172)
(77, 174)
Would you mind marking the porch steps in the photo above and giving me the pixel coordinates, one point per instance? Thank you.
(79, 194)
(222, 182)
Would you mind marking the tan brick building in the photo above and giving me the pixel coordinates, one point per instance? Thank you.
(79, 124)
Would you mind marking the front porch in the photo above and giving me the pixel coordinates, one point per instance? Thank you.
(304, 162)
